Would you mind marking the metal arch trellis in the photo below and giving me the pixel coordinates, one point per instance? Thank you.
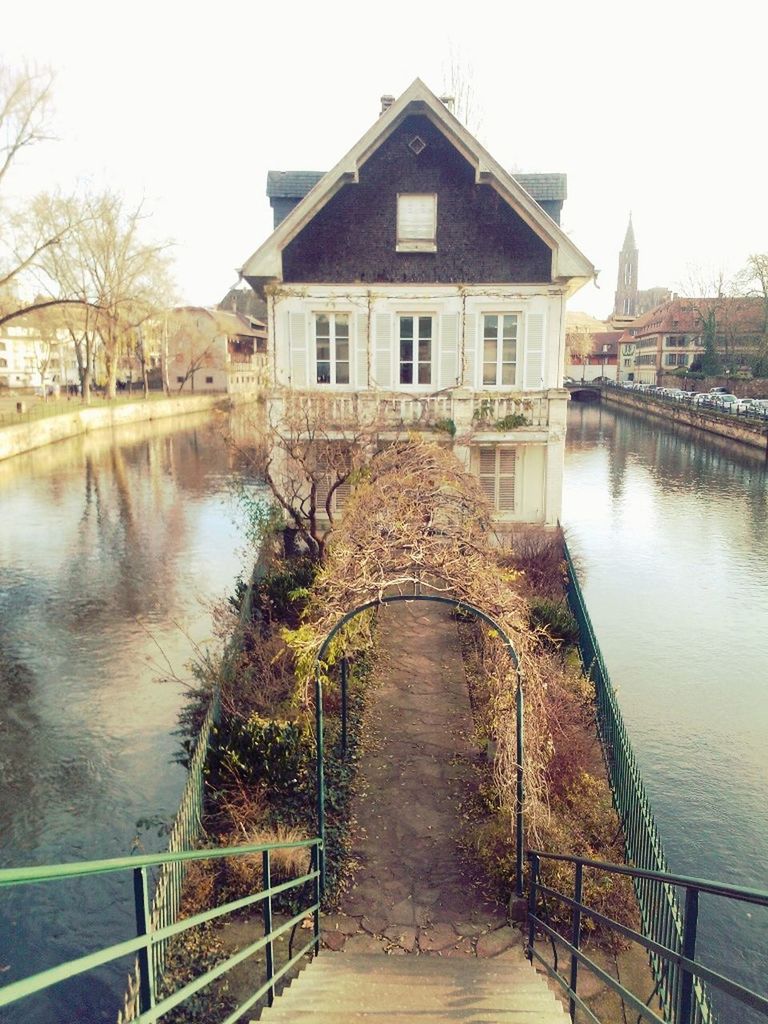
(462, 606)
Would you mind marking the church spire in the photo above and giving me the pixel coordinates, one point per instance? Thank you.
(629, 239)
(625, 299)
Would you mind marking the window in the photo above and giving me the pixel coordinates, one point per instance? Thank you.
(496, 469)
(209, 380)
(179, 380)
(499, 349)
(416, 223)
(3, 362)
(415, 349)
(332, 348)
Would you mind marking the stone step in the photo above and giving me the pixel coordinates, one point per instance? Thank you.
(339, 989)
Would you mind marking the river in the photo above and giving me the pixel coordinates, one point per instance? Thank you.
(113, 546)
(113, 549)
(670, 530)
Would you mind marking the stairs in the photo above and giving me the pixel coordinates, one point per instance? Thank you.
(338, 988)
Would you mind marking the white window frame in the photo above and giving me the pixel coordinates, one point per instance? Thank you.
(500, 363)
(423, 238)
(416, 315)
(495, 484)
(331, 317)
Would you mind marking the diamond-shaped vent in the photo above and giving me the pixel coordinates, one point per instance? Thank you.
(417, 145)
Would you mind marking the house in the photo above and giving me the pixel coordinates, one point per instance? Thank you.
(421, 280)
(593, 354)
(672, 336)
(214, 350)
(34, 354)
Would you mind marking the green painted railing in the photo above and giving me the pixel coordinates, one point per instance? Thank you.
(660, 910)
(686, 977)
(184, 834)
(150, 934)
(187, 825)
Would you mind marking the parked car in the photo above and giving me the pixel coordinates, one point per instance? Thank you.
(744, 405)
(718, 391)
(725, 402)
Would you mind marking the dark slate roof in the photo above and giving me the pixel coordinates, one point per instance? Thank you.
(296, 184)
(543, 187)
(291, 184)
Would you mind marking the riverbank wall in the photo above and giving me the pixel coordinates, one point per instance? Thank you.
(751, 432)
(19, 438)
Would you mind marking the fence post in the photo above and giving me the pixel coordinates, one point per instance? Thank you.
(266, 881)
(316, 862)
(143, 927)
(344, 676)
(520, 788)
(688, 951)
(576, 937)
(533, 882)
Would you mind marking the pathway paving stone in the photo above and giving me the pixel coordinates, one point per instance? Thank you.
(411, 892)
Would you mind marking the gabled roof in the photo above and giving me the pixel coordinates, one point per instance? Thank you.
(684, 316)
(225, 322)
(568, 263)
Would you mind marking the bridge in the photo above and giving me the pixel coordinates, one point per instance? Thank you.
(584, 391)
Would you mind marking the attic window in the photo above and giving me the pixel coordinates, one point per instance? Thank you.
(417, 145)
(416, 223)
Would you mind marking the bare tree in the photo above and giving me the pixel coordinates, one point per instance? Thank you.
(579, 344)
(308, 462)
(458, 83)
(105, 266)
(25, 101)
(752, 282)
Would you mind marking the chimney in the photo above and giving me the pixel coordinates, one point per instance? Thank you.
(448, 101)
(386, 103)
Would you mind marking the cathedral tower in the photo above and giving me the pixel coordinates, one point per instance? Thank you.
(625, 301)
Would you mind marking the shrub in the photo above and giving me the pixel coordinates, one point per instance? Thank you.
(281, 595)
(556, 618)
(272, 754)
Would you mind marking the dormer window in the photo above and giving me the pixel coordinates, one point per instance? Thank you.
(416, 223)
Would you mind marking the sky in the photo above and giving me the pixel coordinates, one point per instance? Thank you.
(654, 108)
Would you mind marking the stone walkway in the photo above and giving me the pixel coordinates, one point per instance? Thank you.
(411, 893)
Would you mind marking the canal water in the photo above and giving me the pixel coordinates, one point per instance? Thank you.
(113, 549)
(670, 531)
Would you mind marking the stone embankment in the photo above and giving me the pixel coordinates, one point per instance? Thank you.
(747, 431)
(36, 433)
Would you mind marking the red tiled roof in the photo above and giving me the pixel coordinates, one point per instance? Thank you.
(684, 316)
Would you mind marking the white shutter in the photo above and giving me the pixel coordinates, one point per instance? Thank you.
(297, 326)
(496, 471)
(487, 473)
(507, 466)
(383, 355)
(534, 350)
(416, 218)
(448, 371)
(470, 351)
(361, 351)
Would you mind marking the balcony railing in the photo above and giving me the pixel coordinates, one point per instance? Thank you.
(470, 410)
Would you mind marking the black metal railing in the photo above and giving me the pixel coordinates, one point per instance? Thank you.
(682, 981)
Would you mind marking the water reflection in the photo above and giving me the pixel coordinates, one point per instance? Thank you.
(111, 549)
(671, 530)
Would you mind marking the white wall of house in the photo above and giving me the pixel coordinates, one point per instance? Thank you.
(367, 356)
(457, 316)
